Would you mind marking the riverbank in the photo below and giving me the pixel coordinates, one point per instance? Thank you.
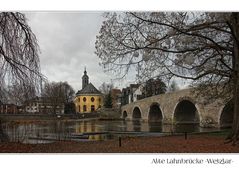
(197, 143)
(46, 117)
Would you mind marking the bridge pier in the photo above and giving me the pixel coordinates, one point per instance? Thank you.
(178, 106)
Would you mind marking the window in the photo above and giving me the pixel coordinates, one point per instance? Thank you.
(78, 99)
(92, 99)
(92, 108)
(99, 99)
(84, 108)
(84, 99)
(79, 108)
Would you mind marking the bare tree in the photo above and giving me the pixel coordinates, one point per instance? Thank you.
(19, 59)
(105, 88)
(202, 47)
(58, 93)
(18, 94)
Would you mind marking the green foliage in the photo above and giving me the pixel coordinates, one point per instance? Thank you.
(108, 101)
(69, 108)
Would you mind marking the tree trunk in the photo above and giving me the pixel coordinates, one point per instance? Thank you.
(3, 136)
(235, 76)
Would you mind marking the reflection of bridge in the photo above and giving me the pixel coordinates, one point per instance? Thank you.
(180, 107)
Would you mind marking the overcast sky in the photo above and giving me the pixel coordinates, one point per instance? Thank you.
(67, 43)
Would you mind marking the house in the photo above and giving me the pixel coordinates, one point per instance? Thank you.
(43, 105)
(139, 91)
(128, 94)
(8, 109)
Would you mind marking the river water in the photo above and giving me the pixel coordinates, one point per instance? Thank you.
(88, 130)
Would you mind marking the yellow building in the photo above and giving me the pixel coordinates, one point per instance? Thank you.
(89, 99)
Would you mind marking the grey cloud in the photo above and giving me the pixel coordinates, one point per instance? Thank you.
(67, 45)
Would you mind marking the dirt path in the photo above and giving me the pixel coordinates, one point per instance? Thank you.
(172, 144)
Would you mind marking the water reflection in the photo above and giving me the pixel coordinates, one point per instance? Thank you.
(136, 125)
(155, 126)
(181, 128)
(48, 131)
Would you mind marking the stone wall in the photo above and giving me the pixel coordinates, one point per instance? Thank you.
(209, 113)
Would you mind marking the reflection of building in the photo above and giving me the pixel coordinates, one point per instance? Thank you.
(43, 105)
(89, 127)
(88, 99)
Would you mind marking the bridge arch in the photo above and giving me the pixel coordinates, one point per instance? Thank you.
(125, 114)
(155, 113)
(226, 115)
(186, 111)
(137, 113)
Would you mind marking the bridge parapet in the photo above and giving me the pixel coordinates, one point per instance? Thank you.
(176, 106)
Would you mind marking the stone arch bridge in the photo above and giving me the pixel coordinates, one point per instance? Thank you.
(180, 107)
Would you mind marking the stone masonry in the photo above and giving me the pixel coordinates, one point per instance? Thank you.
(209, 113)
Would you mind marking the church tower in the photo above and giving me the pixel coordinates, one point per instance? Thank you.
(85, 79)
(88, 99)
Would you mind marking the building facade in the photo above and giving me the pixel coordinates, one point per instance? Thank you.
(140, 91)
(36, 105)
(43, 105)
(8, 109)
(88, 99)
(127, 95)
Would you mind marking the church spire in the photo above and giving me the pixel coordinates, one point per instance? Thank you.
(85, 79)
(85, 72)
